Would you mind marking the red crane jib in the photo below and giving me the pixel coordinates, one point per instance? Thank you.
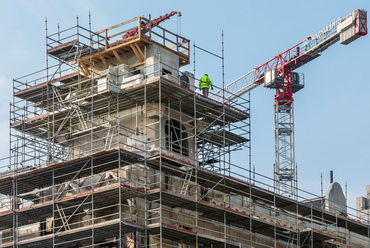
(287, 59)
(153, 23)
(284, 63)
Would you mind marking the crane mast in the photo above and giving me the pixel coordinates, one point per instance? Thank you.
(278, 73)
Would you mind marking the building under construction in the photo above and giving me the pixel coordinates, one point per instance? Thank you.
(112, 146)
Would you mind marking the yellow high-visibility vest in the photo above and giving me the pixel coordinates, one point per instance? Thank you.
(205, 82)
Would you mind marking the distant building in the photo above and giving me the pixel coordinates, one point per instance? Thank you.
(363, 206)
(334, 201)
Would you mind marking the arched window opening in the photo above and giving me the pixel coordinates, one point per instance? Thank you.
(176, 137)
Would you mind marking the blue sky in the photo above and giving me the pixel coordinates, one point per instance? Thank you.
(332, 116)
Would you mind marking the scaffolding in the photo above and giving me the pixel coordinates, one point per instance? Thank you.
(112, 146)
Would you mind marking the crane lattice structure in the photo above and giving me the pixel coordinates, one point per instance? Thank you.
(278, 73)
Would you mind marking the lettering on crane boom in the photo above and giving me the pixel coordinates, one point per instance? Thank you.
(327, 29)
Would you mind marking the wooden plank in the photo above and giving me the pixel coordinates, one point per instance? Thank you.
(167, 31)
(136, 53)
(145, 40)
(83, 69)
(141, 53)
(163, 37)
(122, 50)
(86, 60)
(139, 26)
(103, 60)
(118, 46)
(117, 56)
(137, 64)
(62, 45)
(114, 35)
(118, 25)
(182, 43)
(165, 47)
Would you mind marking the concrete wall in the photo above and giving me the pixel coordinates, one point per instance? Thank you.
(169, 61)
(105, 137)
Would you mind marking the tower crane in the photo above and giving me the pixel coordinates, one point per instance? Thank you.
(278, 73)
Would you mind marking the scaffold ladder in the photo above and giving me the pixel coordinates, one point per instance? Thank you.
(291, 240)
(186, 183)
(109, 139)
(59, 98)
(63, 217)
(80, 117)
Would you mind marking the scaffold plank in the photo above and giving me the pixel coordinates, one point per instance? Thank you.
(63, 171)
(190, 237)
(102, 231)
(104, 195)
(216, 212)
(209, 178)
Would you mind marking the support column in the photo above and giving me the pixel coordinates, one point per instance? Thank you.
(284, 148)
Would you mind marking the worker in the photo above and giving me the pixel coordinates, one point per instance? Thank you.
(204, 84)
